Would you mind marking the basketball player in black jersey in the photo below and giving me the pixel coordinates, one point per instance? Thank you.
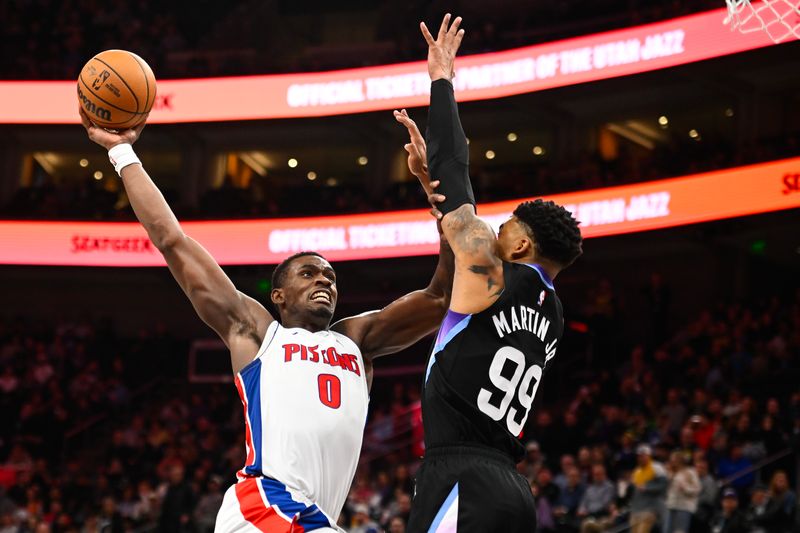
(498, 338)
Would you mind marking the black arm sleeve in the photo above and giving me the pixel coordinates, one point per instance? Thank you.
(448, 155)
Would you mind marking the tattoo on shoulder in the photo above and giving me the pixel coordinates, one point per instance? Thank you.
(479, 269)
(485, 270)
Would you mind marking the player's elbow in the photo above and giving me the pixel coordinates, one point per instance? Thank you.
(166, 239)
(457, 220)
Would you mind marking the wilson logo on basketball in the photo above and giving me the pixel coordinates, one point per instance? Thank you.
(92, 108)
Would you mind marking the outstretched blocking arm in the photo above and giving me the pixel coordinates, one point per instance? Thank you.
(406, 320)
(478, 271)
(240, 321)
(415, 315)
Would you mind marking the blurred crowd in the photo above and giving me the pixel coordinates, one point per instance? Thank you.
(47, 39)
(696, 430)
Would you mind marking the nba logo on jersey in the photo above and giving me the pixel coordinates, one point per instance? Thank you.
(541, 298)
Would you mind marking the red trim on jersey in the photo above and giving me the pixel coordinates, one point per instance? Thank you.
(255, 511)
(248, 434)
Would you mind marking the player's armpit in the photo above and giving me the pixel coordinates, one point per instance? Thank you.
(406, 320)
(240, 321)
(397, 326)
(479, 272)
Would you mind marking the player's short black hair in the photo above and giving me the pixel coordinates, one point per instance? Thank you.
(554, 230)
(279, 274)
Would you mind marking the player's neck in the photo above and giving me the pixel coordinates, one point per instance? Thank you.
(312, 324)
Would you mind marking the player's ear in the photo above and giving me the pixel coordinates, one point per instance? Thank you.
(277, 296)
(522, 247)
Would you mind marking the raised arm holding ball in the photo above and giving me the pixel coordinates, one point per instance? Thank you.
(303, 382)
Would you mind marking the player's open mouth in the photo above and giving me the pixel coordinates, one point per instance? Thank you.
(321, 296)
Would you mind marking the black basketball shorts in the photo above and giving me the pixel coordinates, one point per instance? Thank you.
(470, 489)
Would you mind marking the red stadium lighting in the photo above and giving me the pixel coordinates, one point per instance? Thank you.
(646, 206)
(478, 77)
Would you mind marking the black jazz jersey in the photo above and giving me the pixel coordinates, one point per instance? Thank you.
(485, 368)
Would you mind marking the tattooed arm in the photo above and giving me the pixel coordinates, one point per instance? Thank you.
(478, 279)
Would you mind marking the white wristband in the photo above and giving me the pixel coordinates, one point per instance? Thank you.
(121, 156)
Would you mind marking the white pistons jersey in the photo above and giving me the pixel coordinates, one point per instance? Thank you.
(305, 401)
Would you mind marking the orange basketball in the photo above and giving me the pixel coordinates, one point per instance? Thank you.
(117, 89)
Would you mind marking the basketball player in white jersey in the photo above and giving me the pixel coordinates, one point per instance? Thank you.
(304, 383)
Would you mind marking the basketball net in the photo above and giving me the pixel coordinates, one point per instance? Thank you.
(779, 18)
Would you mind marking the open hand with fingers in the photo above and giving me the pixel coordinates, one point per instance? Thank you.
(417, 151)
(442, 50)
(418, 162)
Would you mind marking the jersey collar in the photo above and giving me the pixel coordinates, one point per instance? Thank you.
(542, 274)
